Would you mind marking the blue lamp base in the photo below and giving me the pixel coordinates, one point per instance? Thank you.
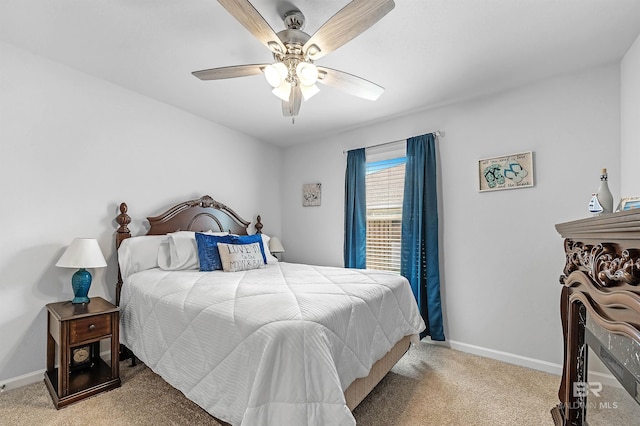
(81, 281)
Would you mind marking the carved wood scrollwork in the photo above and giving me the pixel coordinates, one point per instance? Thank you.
(604, 263)
(601, 281)
(206, 202)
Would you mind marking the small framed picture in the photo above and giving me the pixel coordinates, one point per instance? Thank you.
(505, 172)
(628, 203)
(311, 194)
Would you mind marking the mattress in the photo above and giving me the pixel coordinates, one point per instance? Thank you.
(271, 346)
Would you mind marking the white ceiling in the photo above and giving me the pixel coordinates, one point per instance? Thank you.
(424, 52)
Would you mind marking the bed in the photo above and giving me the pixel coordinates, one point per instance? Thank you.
(277, 344)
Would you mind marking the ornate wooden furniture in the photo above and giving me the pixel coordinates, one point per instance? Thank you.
(600, 291)
(77, 330)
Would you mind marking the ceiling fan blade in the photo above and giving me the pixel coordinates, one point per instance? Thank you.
(230, 72)
(349, 83)
(292, 108)
(350, 21)
(250, 18)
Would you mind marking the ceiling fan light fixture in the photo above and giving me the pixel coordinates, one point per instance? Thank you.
(307, 73)
(313, 51)
(293, 75)
(283, 91)
(276, 74)
(308, 91)
(275, 47)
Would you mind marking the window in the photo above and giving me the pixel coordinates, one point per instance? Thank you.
(384, 194)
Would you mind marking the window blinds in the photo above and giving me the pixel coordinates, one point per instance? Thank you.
(384, 194)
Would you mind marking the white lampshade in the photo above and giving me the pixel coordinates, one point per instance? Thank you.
(307, 73)
(275, 246)
(82, 253)
(283, 91)
(308, 91)
(276, 74)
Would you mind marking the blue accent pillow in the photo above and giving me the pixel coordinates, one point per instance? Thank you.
(209, 255)
(250, 239)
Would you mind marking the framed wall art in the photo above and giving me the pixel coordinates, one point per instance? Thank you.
(628, 203)
(505, 172)
(311, 194)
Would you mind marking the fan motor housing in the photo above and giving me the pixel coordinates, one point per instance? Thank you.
(293, 38)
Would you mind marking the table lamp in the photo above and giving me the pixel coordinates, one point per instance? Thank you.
(275, 246)
(82, 253)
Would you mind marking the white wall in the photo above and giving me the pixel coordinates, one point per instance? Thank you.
(500, 254)
(630, 121)
(72, 148)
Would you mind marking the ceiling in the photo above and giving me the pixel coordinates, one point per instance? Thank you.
(426, 53)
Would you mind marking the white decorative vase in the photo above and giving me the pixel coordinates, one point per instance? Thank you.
(602, 201)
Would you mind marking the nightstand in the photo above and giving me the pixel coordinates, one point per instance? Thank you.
(75, 369)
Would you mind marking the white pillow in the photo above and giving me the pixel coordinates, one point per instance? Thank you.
(180, 251)
(265, 243)
(139, 254)
(240, 257)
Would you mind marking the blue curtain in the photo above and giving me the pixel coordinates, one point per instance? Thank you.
(419, 250)
(355, 211)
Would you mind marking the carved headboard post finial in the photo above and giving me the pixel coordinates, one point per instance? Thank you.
(122, 233)
(123, 220)
(259, 225)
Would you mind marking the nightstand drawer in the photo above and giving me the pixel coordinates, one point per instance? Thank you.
(89, 328)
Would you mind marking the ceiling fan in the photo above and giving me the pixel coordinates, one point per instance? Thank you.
(293, 75)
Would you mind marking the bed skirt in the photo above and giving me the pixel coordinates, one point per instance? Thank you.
(361, 387)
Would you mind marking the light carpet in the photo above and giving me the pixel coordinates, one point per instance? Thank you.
(430, 385)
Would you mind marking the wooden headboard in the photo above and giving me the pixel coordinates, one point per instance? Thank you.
(199, 215)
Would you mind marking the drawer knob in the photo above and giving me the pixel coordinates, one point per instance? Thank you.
(92, 326)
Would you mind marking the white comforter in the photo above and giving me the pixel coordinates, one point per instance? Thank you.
(272, 346)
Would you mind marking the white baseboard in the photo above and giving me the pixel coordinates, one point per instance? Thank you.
(24, 380)
(523, 361)
(36, 376)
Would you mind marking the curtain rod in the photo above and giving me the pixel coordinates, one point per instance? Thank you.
(436, 133)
